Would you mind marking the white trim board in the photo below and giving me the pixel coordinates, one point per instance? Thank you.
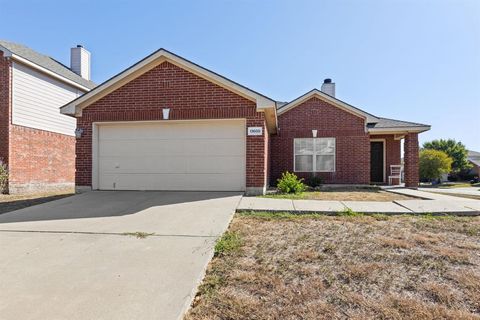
(8, 53)
(264, 104)
(398, 130)
(325, 97)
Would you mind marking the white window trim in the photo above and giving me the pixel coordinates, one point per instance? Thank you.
(314, 164)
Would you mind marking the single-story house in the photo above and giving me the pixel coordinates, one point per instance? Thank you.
(37, 141)
(474, 159)
(166, 123)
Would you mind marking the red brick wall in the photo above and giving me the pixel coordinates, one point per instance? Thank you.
(392, 152)
(411, 159)
(40, 160)
(5, 98)
(352, 142)
(188, 97)
(257, 155)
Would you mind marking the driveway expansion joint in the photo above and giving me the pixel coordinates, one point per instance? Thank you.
(401, 205)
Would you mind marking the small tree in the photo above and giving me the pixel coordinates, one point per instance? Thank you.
(455, 150)
(433, 164)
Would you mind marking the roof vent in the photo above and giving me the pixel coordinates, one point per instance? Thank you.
(328, 87)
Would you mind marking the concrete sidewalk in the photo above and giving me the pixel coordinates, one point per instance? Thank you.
(465, 191)
(426, 203)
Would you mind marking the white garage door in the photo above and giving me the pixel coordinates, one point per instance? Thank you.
(196, 155)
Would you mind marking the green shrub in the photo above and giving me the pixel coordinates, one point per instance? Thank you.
(314, 181)
(454, 150)
(433, 164)
(3, 178)
(290, 183)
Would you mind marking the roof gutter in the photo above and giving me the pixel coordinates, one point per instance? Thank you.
(418, 129)
(8, 53)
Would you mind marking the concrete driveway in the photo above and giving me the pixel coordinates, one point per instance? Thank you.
(73, 258)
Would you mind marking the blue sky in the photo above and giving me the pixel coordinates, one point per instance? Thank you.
(414, 60)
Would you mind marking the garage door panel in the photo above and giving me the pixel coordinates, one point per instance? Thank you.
(200, 155)
(216, 147)
(145, 164)
(171, 164)
(215, 165)
(229, 182)
(128, 148)
(152, 131)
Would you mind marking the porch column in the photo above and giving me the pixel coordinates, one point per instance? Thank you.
(411, 160)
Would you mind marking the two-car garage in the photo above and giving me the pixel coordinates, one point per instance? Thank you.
(166, 123)
(170, 155)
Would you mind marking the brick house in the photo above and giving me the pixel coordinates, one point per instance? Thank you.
(166, 123)
(37, 141)
(473, 158)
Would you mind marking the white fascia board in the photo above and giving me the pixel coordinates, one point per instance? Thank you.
(68, 110)
(332, 100)
(262, 101)
(160, 57)
(42, 69)
(73, 108)
(399, 130)
(6, 52)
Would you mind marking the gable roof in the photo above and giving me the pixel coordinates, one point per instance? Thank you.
(473, 154)
(264, 104)
(21, 52)
(327, 98)
(373, 124)
(474, 157)
(386, 123)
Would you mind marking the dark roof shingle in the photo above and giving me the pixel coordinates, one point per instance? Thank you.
(46, 62)
(384, 123)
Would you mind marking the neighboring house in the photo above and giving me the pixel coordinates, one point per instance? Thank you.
(474, 160)
(37, 141)
(166, 123)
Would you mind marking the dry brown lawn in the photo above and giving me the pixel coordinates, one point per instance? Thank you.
(11, 202)
(348, 194)
(344, 267)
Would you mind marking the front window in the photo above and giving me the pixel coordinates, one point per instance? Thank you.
(314, 155)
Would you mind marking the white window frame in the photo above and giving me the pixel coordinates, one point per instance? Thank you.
(314, 158)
